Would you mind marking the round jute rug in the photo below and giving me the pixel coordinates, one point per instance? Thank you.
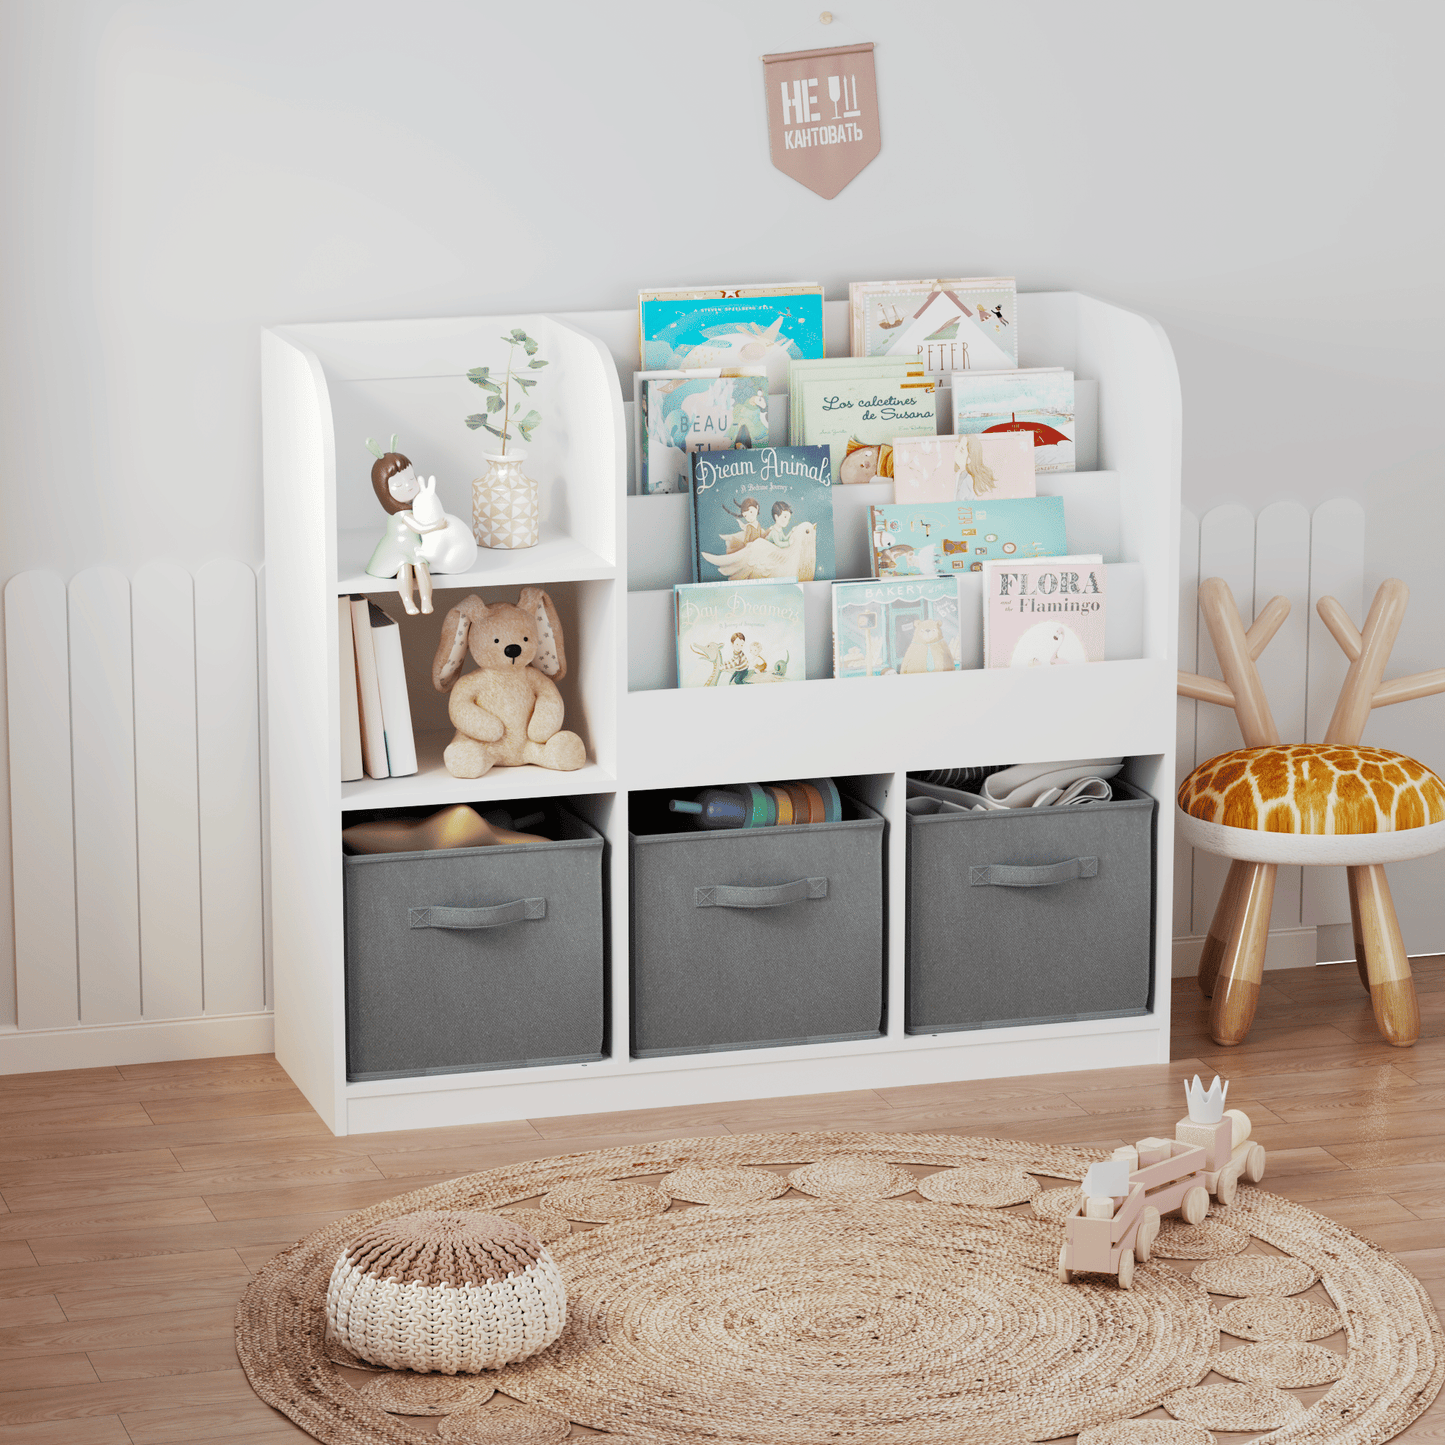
(891, 1319)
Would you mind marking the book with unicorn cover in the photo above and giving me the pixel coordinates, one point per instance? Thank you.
(1044, 613)
(739, 634)
(764, 514)
(933, 539)
(684, 328)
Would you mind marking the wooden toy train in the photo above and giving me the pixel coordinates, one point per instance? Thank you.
(1117, 1220)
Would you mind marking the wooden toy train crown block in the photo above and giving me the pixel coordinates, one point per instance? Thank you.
(1117, 1220)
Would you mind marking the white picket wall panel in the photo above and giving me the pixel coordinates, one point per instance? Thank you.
(37, 675)
(102, 764)
(168, 823)
(230, 787)
(1284, 552)
(135, 783)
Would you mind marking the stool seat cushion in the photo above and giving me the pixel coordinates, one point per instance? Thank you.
(1314, 788)
(1313, 803)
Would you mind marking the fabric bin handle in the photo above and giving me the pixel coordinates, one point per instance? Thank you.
(724, 895)
(518, 911)
(1008, 875)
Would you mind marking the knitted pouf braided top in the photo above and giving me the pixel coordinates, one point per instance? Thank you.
(445, 1292)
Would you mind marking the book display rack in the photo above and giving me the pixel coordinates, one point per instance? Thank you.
(608, 559)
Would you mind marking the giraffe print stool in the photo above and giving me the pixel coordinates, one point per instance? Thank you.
(1337, 801)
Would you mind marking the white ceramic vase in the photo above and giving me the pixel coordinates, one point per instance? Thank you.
(504, 504)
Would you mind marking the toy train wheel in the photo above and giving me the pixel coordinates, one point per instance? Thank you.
(1147, 1234)
(1066, 1275)
(1254, 1163)
(1228, 1183)
(1126, 1269)
(1195, 1205)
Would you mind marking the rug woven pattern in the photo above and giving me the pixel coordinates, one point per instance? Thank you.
(886, 1320)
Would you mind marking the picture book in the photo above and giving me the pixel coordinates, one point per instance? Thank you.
(1037, 401)
(892, 629)
(929, 539)
(840, 369)
(687, 328)
(858, 419)
(735, 634)
(682, 412)
(962, 324)
(764, 514)
(991, 465)
(1042, 614)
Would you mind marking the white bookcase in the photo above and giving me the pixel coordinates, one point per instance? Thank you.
(608, 560)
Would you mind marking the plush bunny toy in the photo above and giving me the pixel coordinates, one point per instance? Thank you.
(508, 711)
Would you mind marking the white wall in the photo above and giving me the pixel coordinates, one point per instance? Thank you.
(1263, 178)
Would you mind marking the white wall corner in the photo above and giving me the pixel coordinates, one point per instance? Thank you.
(1287, 948)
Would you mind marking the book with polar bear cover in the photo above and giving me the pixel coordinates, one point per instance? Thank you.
(1044, 613)
(736, 634)
(892, 629)
(681, 412)
(762, 515)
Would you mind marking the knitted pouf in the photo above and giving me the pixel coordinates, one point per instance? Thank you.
(446, 1292)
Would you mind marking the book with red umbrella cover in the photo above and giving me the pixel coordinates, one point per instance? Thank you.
(1038, 400)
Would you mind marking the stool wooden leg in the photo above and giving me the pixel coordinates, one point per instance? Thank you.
(1392, 989)
(1355, 928)
(1236, 990)
(1217, 939)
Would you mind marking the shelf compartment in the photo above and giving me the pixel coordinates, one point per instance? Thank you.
(556, 558)
(652, 632)
(999, 715)
(432, 785)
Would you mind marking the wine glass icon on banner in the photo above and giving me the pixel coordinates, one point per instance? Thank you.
(834, 93)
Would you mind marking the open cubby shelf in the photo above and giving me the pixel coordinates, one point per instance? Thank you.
(609, 560)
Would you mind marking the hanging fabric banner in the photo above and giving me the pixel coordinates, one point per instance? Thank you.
(822, 114)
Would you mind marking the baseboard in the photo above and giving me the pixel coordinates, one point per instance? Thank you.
(30, 1051)
(1287, 948)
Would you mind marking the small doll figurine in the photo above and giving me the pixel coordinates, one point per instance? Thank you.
(421, 536)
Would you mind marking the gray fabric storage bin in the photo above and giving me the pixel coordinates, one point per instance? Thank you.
(1031, 915)
(758, 937)
(475, 958)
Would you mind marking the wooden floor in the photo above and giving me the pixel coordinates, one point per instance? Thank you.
(138, 1201)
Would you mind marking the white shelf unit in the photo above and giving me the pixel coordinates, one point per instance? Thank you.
(608, 560)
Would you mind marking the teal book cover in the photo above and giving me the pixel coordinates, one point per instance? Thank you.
(739, 634)
(686, 414)
(688, 329)
(895, 629)
(763, 515)
(857, 421)
(934, 539)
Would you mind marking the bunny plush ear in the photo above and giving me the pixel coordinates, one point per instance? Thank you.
(551, 655)
(452, 649)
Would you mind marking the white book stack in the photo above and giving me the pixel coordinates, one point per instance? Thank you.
(391, 685)
(350, 706)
